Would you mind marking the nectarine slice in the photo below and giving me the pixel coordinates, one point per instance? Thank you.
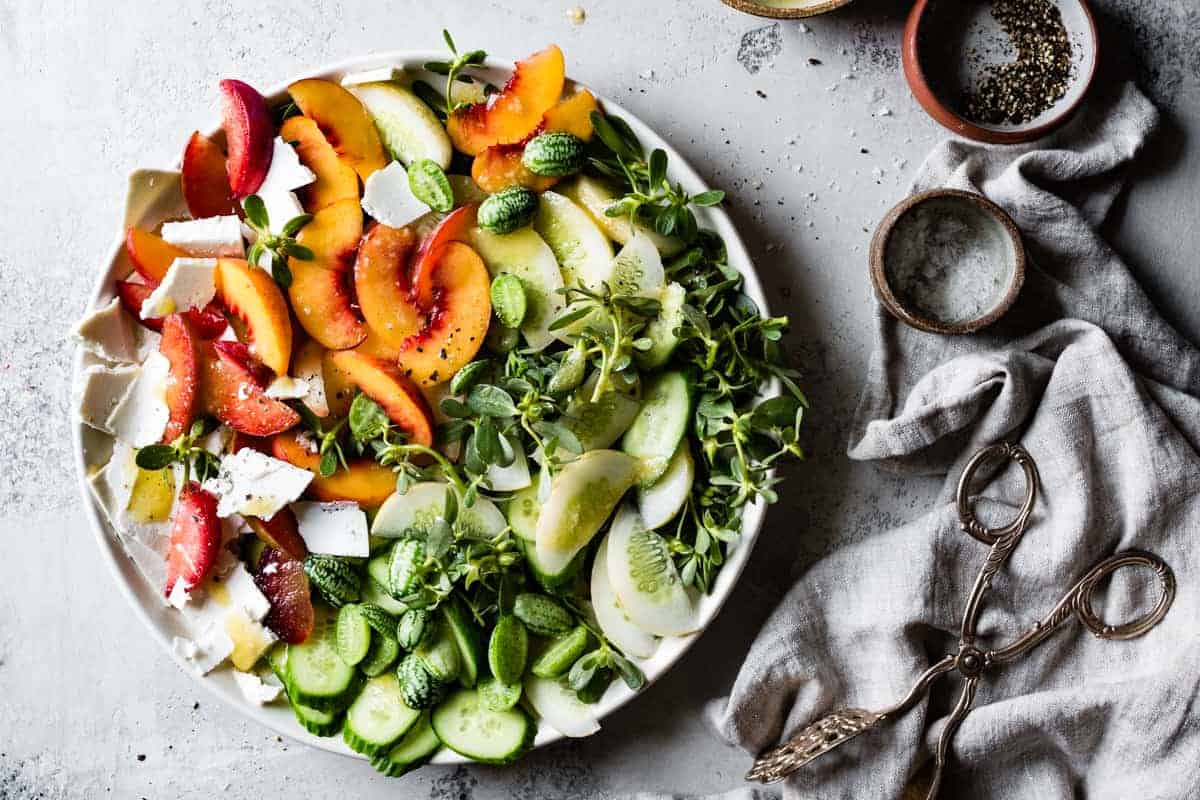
(249, 136)
(456, 227)
(320, 293)
(344, 121)
(231, 392)
(381, 283)
(514, 112)
(181, 346)
(335, 181)
(252, 296)
(458, 319)
(339, 388)
(399, 396)
(205, 180)
(365, 482)
(151, 255)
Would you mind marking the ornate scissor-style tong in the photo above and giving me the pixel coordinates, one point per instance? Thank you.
(972, 660)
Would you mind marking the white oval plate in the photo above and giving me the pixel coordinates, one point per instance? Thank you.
(91, 447)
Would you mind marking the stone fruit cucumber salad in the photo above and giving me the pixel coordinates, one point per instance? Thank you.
(437, 411)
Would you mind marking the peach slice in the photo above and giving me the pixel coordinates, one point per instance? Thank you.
(365, 482)
(151, 255)
(319, 292)
(252, 296)
(456, 227)
(384, 383)
(500, 165)
(232, 392)
(249, 135)
(381, 283)
(344, 121)
(514, 112)
(335, 179)
(458, 317)
(209, 322)
(204, 179)
(181, 346)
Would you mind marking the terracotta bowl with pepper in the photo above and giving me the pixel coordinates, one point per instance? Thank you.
(1000, 71)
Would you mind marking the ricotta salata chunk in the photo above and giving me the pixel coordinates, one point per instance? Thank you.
(285, 175)
(189, 283)
(373, 76)
(253, 688)
(211, 236)
(141, 416)
(335, 529)
(255, 485)
(108, 333)
(388, 198)
(287, 388)
(101, 389)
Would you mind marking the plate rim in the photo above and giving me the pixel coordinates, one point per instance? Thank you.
(276, 717)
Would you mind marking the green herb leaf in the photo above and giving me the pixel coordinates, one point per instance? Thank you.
(466, 377)
(293, 226)
(367, 418)
(280, 272)
(329, 463)
(488, 400)
(256, 213)
(156, 456)
(710, 198)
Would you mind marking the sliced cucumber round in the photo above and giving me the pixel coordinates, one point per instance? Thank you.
(560, 708)
(497, 696)
(595, 196)
(470, 729)
(408, 128)
(661, 422)
(582, 496)
(597, 424)
(318, 723)
(660, 502)
(378, 717)
(413, 512)
(353, 634)
(661, 330)
(645, 580)
(637, 270)
(583, 252)
(382, 654)
(515, 475)
(317, 676)
(629, 638)
(525, 254)
(414, 749)
(377, 595)
(466, 635)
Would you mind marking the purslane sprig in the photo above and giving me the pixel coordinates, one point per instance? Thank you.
(280, 246)
(650, 198)
(453, 69)
(185, 450)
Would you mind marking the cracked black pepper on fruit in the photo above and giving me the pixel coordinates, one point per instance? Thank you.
(1019, 91)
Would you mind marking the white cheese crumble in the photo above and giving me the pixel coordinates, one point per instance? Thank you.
(142, 414)
(253, 688)
(388, 198)
(108, 332)
(189, 283)
(211, 236)
(285, 174)
(287, 388)
(373, 76)
(255, 484)
(336, 529)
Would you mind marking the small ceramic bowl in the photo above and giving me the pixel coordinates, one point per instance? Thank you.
(786, 9)
(946, 42)
(947, 261)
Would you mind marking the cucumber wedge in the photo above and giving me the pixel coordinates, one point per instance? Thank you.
(375, 594)
(597, 424)
(378, 717)
(595, 196)
(560, 708)
(582, 496)
(513, 477)
(468, 728)
(522, 512)
(525, 254)
(414, 749)
(552, 582)
(661, 330)
(583, 251)
(408, 128)
(415, 510)
(466, 635)
(660, 502)
(645, 580)
(379, 566)
(637, 270)
(629, 638)
(317, 676)
(661, 422)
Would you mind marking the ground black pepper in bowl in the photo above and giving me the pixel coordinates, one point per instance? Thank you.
(1019, 91)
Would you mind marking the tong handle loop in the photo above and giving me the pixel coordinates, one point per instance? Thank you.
(969, 522)
(1079, 601)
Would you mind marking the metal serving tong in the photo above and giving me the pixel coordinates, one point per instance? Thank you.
(971, 661)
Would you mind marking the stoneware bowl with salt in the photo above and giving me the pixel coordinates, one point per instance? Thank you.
(786, 9)
(947, 261)
(1000, 71)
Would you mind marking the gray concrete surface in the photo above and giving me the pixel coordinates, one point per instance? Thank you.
(89, 706)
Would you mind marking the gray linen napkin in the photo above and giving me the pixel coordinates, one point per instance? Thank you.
(1106, 397)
